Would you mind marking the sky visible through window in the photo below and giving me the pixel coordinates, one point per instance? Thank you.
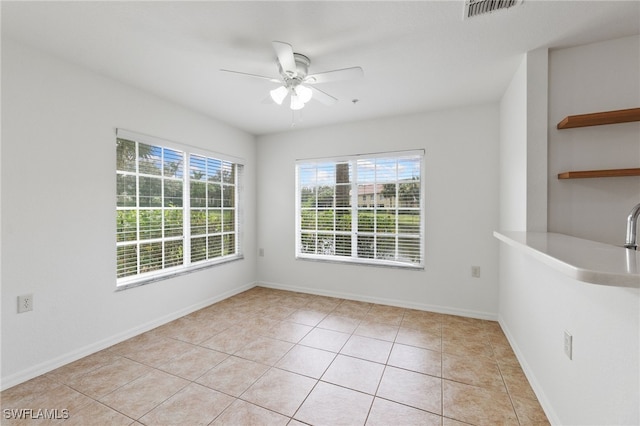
(369, 170)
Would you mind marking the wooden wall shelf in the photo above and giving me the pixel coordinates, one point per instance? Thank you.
(599, 173)
(600, 118)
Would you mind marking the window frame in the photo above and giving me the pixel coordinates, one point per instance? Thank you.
(353, 258)
(187, 265)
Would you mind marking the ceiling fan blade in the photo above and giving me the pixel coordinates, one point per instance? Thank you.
(271, 79)
(284, 51)
(335, 75)
(323, 97)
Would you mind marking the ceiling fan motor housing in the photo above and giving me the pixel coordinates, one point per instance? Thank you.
(302, 68)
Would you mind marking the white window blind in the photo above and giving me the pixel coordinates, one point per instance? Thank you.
(365, 209)
(212, 208)
(176, 210)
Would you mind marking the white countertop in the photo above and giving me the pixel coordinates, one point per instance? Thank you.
(583, 260)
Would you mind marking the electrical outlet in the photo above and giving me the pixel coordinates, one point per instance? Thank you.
(568, 344)
(261, 252)
(475, 271)
(25, 303)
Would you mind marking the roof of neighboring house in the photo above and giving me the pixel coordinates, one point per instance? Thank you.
(370, 189)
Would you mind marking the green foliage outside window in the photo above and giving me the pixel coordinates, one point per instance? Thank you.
(150, 214)
(377, 217)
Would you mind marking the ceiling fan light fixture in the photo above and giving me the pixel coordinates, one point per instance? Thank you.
(296, 102)
(279, 94)
(304, 93)
(295, 81)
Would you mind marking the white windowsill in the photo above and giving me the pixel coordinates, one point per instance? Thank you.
(139, 281)
(349, 261)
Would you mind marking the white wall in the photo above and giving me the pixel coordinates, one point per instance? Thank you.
(58, 218)
(461, 210)
(523, 146)
(513, 152)
(584, 79)
(601, 384)
(537, 110)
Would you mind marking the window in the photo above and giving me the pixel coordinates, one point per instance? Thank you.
(365, 209)
(176, 210)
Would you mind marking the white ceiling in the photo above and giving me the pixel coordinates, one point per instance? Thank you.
(416, 55)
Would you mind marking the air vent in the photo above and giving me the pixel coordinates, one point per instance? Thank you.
(481, 7)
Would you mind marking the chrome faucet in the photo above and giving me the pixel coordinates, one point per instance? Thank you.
(632, 228)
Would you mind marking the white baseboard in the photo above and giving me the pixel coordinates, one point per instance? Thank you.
(535, 385)
(384, 301)
(45, 367)
(50, 365)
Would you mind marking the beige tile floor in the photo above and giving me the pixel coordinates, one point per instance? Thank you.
(275, 357)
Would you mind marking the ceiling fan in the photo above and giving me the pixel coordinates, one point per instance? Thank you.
(295, 81)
